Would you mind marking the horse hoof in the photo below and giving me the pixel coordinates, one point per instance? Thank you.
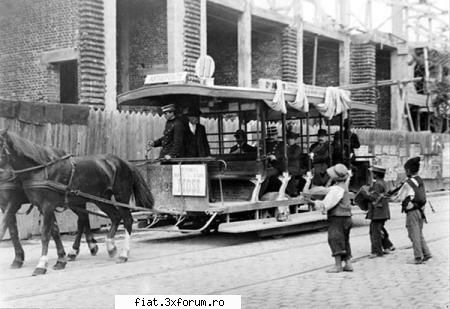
(94, 250)
(122, 259)
(59, 265)
(39, 271)
(112, 253)
(16, 264)
(72, 257)
(73, 254)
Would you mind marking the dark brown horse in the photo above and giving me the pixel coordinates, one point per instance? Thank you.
(51, 182)
(12, 197)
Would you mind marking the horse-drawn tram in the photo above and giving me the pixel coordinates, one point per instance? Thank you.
(248, 190)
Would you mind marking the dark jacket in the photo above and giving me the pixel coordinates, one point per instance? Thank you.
(245, 148)
(276, 148)
(379, 205)
(321, 152)
(196, 145)
(172, 141)
(294, 153)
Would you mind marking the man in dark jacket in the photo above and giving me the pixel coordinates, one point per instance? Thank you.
(172, 141)
(320, 155)
(196, 143)
(241, 144)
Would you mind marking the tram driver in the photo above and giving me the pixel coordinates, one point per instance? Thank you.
(172, 141)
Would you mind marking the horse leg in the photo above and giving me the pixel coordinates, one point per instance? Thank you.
(90, 240)
(115, 220)
(127, 223)
(8, 212)
(18, 250)
(46, 230)
(62, 260)
(76, 244)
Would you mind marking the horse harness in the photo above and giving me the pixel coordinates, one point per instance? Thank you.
(66, 189)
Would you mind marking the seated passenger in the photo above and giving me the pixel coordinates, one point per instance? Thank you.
(296, 166)
(241, 144)
(274, 151)
(320, 156)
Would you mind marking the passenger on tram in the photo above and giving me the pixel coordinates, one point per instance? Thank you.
(320, 155)
(241, 144)
(172, 141)
(337, 155)
(351, 140)
(196, 143)
(297, 165)
(274, 150)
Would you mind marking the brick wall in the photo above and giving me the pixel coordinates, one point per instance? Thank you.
(383, 72)
(327, 70)
(147, 37)
(289, 55)
(92, 53)
(222, 47)
(266, 55)
(28, 28)
(363, 70)
(191, 37)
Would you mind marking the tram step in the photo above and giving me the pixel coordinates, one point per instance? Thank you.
(271, 223)
(246, 226)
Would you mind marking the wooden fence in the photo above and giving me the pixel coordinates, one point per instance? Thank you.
(125, 134)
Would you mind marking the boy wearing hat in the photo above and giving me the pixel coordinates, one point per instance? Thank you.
(413, 198)
(337, 206)
(196, 142)
(378, 212)
(172, 141)
(241, 143)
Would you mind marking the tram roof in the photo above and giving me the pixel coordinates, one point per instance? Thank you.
(148, 95)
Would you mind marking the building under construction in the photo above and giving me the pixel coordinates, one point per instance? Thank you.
(88, 51)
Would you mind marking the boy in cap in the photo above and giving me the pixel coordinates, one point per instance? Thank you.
(172, 141)
(337, 206)
(413, 198)
(196, 142)
(378, 212)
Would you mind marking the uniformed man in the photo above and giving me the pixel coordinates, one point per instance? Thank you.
(172, 141)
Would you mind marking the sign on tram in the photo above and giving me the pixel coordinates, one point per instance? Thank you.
(189, 179)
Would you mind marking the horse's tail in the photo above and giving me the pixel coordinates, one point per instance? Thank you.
(142, 193)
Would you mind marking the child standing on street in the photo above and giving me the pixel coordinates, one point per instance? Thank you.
(336, 205)
(378, 212)
(413, 197)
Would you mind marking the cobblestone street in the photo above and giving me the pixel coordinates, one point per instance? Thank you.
(288, 272)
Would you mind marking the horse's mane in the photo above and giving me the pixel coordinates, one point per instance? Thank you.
(37, 153)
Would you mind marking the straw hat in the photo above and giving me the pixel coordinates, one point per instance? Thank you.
(338, 172)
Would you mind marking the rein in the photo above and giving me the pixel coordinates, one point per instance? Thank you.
(34, 168)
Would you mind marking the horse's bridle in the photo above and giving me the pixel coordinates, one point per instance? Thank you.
(4, 152)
